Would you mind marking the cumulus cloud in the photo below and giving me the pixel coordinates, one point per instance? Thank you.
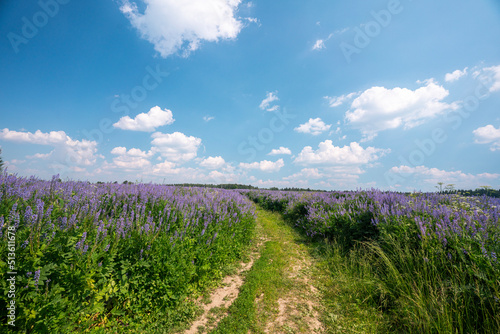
(266, 103)
(328, 154)
(320, 44)
(305, 174)
(264, 166)
(314, 126)
(336, 101)
(133, 152)
(455, 75)
(488, 135)
(67, 151)
(167, 168)
(147, 122)
(460, 179)
(131, 159)
(279, 151)
(378, 108)
(208, 118)
(494, 73)
(176, 147)
(213, 162)
(172, 25)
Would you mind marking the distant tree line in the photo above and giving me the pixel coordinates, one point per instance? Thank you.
(481, 191)
(220, 186)
(477, 192)
(298, 189)
(442, 189)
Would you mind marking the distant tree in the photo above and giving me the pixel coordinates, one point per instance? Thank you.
(440, 186)
(450, 187)
(1, 162)
(486, 189)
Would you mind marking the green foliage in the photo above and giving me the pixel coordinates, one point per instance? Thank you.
(145, 279)
(412, 281)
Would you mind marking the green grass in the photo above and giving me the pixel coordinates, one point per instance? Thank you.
(264, 281)
(365, 289)
(396, 289)
(342, 283)
(348, 295)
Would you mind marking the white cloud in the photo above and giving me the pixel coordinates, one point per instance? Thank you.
(281, 150)
(208, 118)
(433, 175)
(131, 159)
(166, 167)
(221, 178)
(172, 25)
(39, 137)
(314, 126)
(328, 154)
(266, 103)
(252, 20)
(213, 163)
(127, 162)
(133, 152)
(455, 75)
(305, 174)
(488, 135)
(176, 147)
(42, 156)
(378, 108)
(67, 151)
(336, 101)
(147, 122)
(494, 72)
(264, 166)
(320, 44)
(340, 31)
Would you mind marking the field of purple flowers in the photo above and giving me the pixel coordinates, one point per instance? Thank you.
(429, 260)
(90, 256)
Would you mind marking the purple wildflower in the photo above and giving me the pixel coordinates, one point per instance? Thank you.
(37, 276)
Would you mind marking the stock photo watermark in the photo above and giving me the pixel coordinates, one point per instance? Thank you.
(428, 146)
(121, 105)
(365, 33)
(265, 136)
(31, 26)
(256, 143)
(11, 275)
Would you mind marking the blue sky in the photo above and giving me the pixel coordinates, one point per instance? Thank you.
(323, 94)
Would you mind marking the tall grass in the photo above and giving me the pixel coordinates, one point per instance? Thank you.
(421, 263)
(106, 257)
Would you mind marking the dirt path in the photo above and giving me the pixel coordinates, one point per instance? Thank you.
(299, 302)
(284, 283)
(221, 299)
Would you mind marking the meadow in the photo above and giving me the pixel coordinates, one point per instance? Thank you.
(124, 256)
(133, 257)
(427, 262)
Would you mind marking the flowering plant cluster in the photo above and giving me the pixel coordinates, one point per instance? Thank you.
(92, 254)
(436, 242)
